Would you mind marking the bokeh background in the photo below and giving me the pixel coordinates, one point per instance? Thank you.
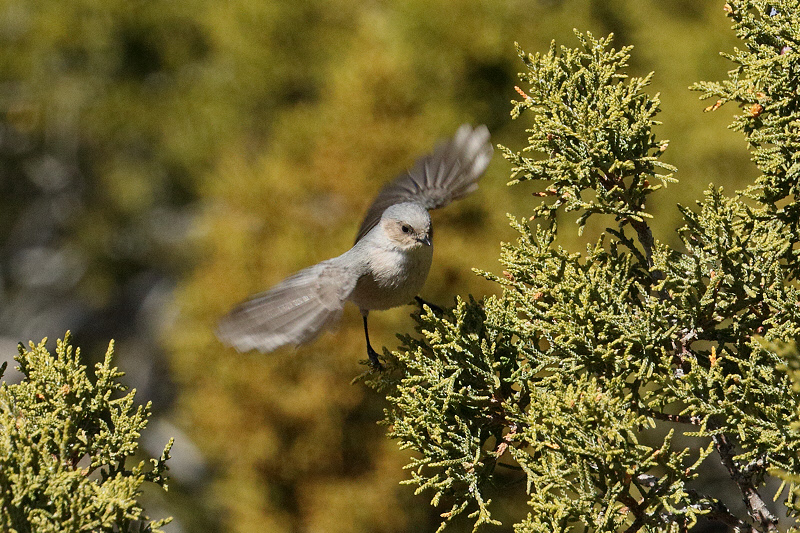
(162, 160)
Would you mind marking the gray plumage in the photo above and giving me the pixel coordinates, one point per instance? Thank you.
(385, 268)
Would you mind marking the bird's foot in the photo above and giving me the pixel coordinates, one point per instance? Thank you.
(374, 362)
(422, 303)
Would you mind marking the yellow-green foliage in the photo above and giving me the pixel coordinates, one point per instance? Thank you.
(767, 96)
(365, 88)
(552, 389)
(594, 125)
(258, 129)
(68, 447)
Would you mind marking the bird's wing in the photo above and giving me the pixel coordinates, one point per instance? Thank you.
(293, 312)
(448, 173)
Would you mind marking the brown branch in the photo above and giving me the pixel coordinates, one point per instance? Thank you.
(716, 509)
(743, 478)
(693, 420)
(646, 238)
(636, 509)
(756, 507)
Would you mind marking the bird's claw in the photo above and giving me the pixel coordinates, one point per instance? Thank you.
(374, 362)
(422, 303)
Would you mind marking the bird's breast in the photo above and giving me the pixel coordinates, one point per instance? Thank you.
(393, 278)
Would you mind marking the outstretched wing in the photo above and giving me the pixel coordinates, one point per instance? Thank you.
(294, 312)
(448, 173)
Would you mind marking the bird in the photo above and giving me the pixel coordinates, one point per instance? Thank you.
(387, 265)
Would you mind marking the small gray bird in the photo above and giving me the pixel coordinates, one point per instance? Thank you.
(385, 268)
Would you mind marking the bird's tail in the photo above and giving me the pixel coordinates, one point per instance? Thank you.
(293, 312)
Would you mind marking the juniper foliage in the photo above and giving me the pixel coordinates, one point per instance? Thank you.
(68, 447)
(579, 377)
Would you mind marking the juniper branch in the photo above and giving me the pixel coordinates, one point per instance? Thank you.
(715, 509)
(693, 420)
(756, 507)
(581, 353)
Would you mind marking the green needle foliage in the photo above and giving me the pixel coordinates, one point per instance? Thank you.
(764, 85)
(67, 445)
(595, 130)
(601, 383)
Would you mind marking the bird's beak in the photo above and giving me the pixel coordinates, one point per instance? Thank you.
(425, 240)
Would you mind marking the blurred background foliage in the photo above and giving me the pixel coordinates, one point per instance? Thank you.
(160, 161)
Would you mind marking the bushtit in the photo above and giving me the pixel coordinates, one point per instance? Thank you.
(385, 268)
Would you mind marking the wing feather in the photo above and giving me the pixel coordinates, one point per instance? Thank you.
(448, 173)
(294, 312)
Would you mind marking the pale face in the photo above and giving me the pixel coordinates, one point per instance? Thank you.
(407, 235)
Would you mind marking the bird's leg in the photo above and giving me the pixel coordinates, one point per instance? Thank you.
(422, 303)
(372, 354)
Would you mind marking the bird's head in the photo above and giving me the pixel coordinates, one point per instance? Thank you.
(407, 225)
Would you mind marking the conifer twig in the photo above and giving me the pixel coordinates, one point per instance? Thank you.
(756, 507)
(716, 509)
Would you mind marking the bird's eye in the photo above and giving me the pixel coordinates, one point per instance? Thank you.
(406, 229)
